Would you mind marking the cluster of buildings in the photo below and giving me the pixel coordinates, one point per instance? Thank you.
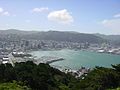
(110, 51)
(22, 45)
(106, 48)
(18, 46)
(4, 57)
(13, 51)
(14, 57)
(80, 73)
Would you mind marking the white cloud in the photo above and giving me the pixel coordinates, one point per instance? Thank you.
(117, 15)
(1, 10)
(112, 24)
(4, 13)
(39, 10)
(61, 16)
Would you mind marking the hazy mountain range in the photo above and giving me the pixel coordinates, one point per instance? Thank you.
(114, 39)
(59, 36)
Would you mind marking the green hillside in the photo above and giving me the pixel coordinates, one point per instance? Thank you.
(43, 77)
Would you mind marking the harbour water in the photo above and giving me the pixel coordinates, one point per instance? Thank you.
(75, 59)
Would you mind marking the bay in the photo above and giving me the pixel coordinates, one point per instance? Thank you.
(75, 59)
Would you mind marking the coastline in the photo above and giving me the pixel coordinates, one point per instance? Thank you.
(89, 50)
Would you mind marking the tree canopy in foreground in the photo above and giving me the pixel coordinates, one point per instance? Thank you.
(29, 76)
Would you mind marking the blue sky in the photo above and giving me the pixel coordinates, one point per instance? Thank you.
(85, 16)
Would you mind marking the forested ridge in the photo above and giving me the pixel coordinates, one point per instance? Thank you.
(59, 36)
(29, 76)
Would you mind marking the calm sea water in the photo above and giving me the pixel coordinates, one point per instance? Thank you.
(75, 59)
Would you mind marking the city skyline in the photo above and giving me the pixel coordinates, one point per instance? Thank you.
(76, 15)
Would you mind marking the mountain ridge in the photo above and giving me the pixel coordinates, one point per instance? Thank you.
(68, 36)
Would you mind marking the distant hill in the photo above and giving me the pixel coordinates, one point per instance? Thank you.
(113, 39)
(15, 31)
(53, 35)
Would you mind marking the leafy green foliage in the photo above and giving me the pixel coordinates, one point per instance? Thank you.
(44, 77)
(101, 78)
(37, 77)
(13, 86)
